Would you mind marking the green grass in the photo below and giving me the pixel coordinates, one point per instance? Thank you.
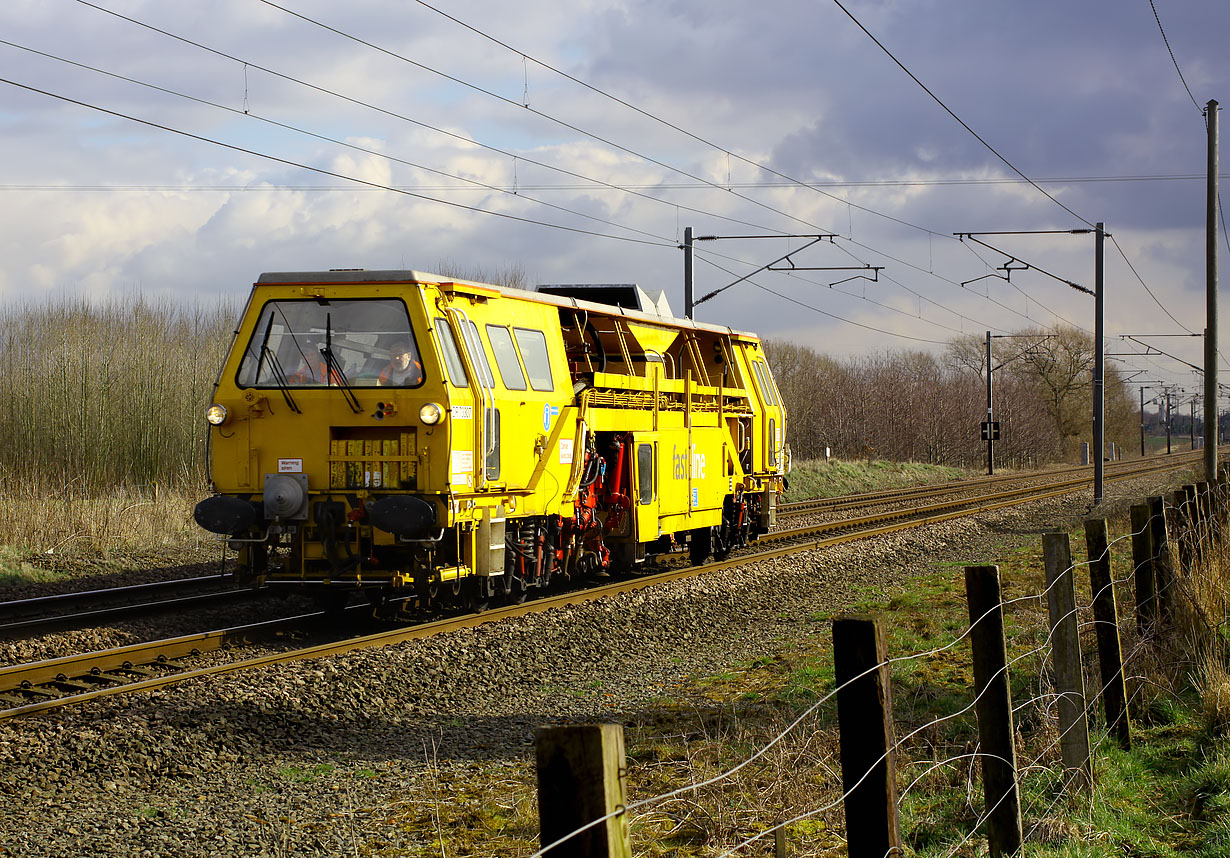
(14, 570)
(1167, 797)
(818, 479)
(306, 774)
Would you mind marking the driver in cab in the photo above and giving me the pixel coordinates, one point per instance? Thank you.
(403, 369)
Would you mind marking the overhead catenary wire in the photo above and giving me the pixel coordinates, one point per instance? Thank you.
(627, 150)
(355, 147)
(247, 64)
(367, 186)
(611, 186)
(373, 186)
(959, 120)
(630, 186)
(324, 172)
(1170, 50)
(791, 181)
(256, 66)
(1136, 273)
(424, 125)
(979, 138)
(562, 123)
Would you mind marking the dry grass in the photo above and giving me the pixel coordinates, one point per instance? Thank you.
(795, 784)
(47, 520)
(1214, 685)
(1202, 609)
(101, 413)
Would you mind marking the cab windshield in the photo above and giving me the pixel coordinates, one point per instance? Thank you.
(319, 343)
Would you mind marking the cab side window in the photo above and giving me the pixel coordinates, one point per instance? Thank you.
(533, 346)
(506, 357)
(644, 473)
(766, 386)
(768, 376)
(452, 357)
(479, 355)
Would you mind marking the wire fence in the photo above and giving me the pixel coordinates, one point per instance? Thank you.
(1177, 592)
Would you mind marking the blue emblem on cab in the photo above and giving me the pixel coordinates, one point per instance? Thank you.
(549, 412)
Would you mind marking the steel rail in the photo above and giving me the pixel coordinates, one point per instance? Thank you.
(906, 492)
(102, 616)
(18, 606)
(165, 652)
(958, 503)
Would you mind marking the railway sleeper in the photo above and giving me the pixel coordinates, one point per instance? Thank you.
(39, 691)
(71, 685)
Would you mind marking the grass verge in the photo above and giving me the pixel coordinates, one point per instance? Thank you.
(819, 479)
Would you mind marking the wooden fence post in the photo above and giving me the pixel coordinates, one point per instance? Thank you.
(1204, 491)
(1142, 561)
(865, 719)
(1106, 622)
(1190, 518)
(1162, 569)
(1066, 647)
(1219, 499)
(994, 707)
(1201, 510)
(581, 778)
(1176, 515)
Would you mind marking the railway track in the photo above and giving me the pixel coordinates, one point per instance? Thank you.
(41, 686)
(882, 496)
(28, 617)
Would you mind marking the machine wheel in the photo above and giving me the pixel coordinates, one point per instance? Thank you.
(512, 588)
(478, 593)
(700, 545)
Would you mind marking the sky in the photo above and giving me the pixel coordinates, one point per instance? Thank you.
(183, 147)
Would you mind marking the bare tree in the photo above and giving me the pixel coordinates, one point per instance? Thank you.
(924, 407)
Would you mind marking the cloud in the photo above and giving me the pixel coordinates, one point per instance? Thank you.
(1062, 92)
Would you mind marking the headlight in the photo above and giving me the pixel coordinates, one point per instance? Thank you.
(431, 413)
(215, 415)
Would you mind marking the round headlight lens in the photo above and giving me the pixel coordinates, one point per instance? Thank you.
(431, 413)
(215, 415)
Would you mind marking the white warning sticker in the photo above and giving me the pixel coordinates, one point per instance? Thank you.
(461, 466)
(565, 451)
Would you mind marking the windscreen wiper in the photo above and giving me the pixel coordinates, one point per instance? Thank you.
(275, 368)
(333, 365)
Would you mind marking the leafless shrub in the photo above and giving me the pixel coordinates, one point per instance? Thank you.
(101, 413)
